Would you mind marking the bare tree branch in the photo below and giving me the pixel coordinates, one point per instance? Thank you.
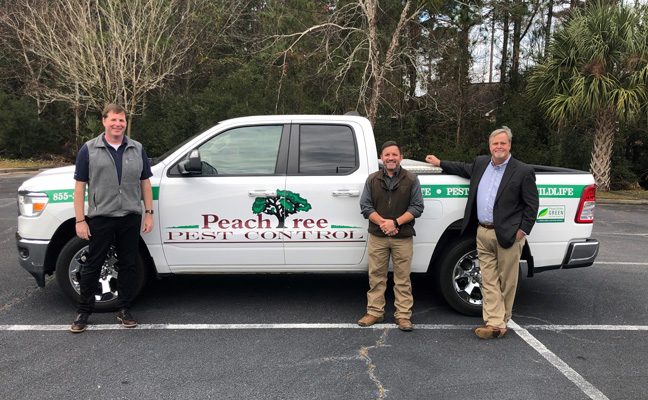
(351, 37)
(95, 52)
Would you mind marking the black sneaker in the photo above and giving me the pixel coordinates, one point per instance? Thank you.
(79, 324)
(126, 318)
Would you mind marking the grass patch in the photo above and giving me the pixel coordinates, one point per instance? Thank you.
(33, 163)
(623, 195)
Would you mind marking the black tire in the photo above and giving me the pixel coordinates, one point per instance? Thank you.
(70, 260)
(459, 277)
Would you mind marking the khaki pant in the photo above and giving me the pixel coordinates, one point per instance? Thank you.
(400, 250)
(499, 273)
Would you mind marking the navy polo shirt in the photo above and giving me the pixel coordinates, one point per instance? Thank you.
(82, 171)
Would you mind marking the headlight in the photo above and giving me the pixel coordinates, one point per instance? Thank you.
(31, 204)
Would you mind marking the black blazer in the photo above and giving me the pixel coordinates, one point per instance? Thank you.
(516, 203)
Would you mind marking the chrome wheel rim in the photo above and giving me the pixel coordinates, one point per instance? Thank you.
(466, 279)
(107, 284)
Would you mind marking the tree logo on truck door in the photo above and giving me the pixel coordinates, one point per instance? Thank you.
(282, 205)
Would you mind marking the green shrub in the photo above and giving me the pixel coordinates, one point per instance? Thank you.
(22, 133)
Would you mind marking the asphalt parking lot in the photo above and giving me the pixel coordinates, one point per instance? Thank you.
(577, 334)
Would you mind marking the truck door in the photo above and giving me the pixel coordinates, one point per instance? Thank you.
(224, 214)
(326, 174)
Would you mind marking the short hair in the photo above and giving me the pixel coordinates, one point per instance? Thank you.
(504, 129)
(390, 143)
(115, 108)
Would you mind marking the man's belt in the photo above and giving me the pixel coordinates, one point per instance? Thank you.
(487, 226)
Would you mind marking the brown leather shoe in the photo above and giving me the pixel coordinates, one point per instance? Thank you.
(369, 320)
(490, 332)
(404, 324)
(79, 324)
(126, 318)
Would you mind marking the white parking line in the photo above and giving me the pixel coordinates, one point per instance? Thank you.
(429, 327)
(565, 369)
(588, 327)
(618, 234)
(106, 327)
(619, 263)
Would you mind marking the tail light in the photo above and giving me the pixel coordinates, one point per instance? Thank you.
(585, 213)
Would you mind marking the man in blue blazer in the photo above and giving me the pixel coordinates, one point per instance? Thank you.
(503, 207)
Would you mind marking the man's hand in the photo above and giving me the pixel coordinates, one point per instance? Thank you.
(83, 230)
(433, 160)
(388, 227)
(520, 235)
(147, 225)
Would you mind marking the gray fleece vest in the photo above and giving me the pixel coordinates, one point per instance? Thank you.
(106, 196)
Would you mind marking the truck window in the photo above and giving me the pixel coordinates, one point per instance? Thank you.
(249, 150)
(327, 150)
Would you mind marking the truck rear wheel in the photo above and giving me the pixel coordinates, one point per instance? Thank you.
(460, 277)
(68, 267)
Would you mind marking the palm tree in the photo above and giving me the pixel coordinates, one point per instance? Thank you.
(597, 68)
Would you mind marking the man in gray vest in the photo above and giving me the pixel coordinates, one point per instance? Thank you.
(391, 200)
(116, 171)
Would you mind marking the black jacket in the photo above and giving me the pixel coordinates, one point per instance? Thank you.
(516, 203)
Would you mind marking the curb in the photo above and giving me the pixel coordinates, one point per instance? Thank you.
(621, 201)
(31, 169)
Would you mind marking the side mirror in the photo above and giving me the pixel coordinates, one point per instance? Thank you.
(192, 165)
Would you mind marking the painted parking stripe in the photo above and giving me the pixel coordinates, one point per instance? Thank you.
(565, 369)
(618, 234)
(429, 327)
(619, 263)
(106, 327)
(588, 327)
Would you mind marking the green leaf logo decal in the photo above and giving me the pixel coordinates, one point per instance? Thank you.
(543, 212)
(282, 205)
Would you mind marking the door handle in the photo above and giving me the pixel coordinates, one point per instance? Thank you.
(346, 193)
(262, 193)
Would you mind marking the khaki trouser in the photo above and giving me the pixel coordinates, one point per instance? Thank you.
(380, 249)
(499, 273)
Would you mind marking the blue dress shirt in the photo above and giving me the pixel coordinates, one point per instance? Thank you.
(487, 190)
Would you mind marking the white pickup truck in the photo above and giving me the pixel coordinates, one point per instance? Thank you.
(271, 194)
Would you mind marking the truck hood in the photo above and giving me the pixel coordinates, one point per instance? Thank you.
(51, 179)
(417, 167)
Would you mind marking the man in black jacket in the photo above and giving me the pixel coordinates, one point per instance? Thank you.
(503, 206)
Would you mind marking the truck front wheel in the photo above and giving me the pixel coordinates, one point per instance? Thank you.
(460, 277)
(70, 262)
